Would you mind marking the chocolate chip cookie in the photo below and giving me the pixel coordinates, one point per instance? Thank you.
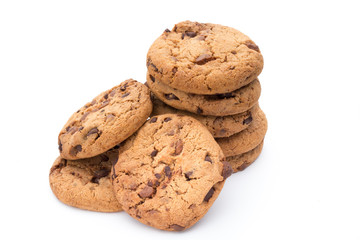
(247, 139)
(226, 104)
(106, 121)
(242, 161)
(218, 126)
(204, 58)
(170, 172)
(85, 183)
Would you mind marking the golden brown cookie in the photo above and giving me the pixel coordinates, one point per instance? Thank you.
(85, 183)
(170, 172)
(107, 120)
(242, 161)
(247, 139)
(204, 58)
(218, 126)
(231, 103)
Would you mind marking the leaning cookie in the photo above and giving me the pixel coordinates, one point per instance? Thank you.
(218, 126)
(106, 121)
(85, 183)
(242, 161)
(170, 172)
(204, 58)
(230, 103)
(247, 139)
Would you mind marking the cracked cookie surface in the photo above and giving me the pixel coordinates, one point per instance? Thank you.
(218, 126)
(242, 161)
(170, 172)
(85, 183)
(107, 120)
(204, 58)
(247, 139)
(226, 104)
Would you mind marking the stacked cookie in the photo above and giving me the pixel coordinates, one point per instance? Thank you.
(210, 72)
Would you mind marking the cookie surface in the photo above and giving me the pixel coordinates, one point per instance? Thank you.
(218, 126)
(204, 58)
(231, 103)
(242, 161)
(109, 119)
(85, 183)
(170, 172)
(247, 139)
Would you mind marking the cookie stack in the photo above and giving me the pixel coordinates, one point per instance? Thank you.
(209, 72)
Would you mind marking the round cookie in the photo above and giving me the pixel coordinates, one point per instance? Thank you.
(204, 58)
(218, 126)
(85, 183)
(242, 161)
(109, 119)
(170, 172)
(247, 139)
(232, 103)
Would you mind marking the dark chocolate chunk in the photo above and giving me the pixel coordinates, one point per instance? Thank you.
(152, 78)
(155, 68)
(123, 88)
(209, 194)
(178, 147)
(177, 227)
(146, 192)
(99, 174)
(182, 35)
(190, 34)
(60, 146)
(174, 70)
(188, 174)
(167, 171)
(208, 159)
(204, 58)
(106, 96)
(67, 128)
(233, 52)
(93, 131)
(84, 116)
(167, 30)
(81, 128)
(75, 150)
(104, 104)
(170, 96)
(125, 95)
(153, 153)
(154, 119)
(252, 46)
(199, 110)
(248, 120)
(227, 170)
(157, 175)
(167, 119)
(150, 183)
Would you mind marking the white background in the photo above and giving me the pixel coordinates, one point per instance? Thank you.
(57, 55)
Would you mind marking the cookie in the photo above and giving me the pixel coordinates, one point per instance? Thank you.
(218, 126)
(242, 161)
(247, 139)
(204, 58)
(231, 103)
(170, 172)
(107, 120)
(85, 183)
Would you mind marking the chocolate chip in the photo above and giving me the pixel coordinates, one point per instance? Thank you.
(150, 183)
(178, 147)
(75, 150)
(167, 30)
(208, 159)
(209, 194)
(177, 227)
(156, 183)
(81, 128)
(104, 104)
(153, 153)
(225, 95)
(252, 46)
(99, 174)
(93, 131)
(60, 146)
(84, 116)
(204, 58)
(67, 128)
(227, 170)
(113, 92)
(146, 192)
(190, 34)
(167, 119)
(125, 95)
(155, 68)
(106, 96)
(174, 70)
(152, 78)
(182, 35)
(123, 88)
(188, 174)
(248, 120)
(199, 110)
(154, 119)
(171, 96)
(233, 52)
(167, 171)
(157, 175)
